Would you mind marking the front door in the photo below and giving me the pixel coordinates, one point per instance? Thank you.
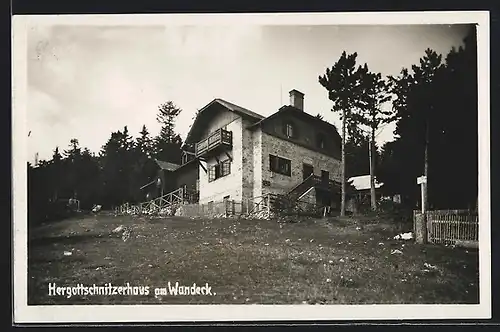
(325, 176)
(307, 170)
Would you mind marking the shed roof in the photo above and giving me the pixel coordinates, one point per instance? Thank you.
(165, 165)
(362, 182)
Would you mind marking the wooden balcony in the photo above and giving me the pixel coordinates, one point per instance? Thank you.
(214, 143)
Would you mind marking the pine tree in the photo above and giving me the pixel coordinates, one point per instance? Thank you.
(342, 82)
(168, 144)
(371, 114)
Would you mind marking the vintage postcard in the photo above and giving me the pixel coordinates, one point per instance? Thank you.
(251, 167)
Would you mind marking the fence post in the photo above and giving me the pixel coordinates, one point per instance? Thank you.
(419, 227)
(233, 208)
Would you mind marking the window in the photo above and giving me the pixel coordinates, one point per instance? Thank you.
(217, 171)
(320, 141)
(290, 130)
(280, 165)
(225, 168)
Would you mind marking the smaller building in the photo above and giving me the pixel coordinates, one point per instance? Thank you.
(361, 194)
(171, 176)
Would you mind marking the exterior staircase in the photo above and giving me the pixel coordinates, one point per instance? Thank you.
(162, 203)
(312, 181)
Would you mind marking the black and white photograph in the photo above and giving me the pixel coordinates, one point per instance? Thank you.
(218, 167)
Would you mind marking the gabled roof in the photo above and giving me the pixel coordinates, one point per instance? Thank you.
(238, 109)
(165, 165)
(362, 182)
(297, 111)
(231, 107)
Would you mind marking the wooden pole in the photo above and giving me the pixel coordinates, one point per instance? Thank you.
(372, 171)
(342, 201)
(424, 185)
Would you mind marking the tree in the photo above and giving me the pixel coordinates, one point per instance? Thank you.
(168, 144)
(116, 164)
(416, 105)
(72, 158)
(167, 113)
(436, 109)
(371, 114)
(342, 81)
(56, 171)
(143, 166)
(144, 143)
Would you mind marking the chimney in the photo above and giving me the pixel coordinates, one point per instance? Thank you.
(297, 99)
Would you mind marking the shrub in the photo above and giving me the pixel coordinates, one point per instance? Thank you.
(397, 212)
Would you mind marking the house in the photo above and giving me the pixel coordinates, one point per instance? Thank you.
(362, 191)
(171, 176)
(240, 155)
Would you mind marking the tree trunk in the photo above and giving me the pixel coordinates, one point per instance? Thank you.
(342, 201)
(372, 171)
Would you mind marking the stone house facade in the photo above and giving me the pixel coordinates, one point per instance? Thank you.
(244, 155)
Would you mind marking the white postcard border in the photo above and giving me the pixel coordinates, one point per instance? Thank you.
(187, 313)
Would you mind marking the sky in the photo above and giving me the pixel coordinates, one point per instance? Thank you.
(86, 81)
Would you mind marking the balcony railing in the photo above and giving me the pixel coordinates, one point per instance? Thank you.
(218, 138)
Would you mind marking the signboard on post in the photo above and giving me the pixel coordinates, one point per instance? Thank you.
(422, 179)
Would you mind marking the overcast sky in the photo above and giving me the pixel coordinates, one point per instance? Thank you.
(86, 81)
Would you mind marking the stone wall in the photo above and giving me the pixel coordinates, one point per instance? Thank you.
(257, 162)
(279, 183)
(247, 160)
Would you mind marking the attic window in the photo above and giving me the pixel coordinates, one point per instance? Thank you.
(289, 130)
(320, 141)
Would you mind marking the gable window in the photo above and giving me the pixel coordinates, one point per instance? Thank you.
(320, 141)
(219, 170)
(280, 165)
(289, 130)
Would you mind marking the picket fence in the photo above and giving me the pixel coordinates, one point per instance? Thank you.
(455, 227)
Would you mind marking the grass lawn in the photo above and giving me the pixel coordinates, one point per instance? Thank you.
(327, 261)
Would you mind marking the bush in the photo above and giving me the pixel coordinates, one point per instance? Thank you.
(397, 212)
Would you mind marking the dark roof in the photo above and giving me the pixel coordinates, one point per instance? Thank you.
(238, 109)
(230, 106)
(165, 165)
(299, 112)
(185, 164)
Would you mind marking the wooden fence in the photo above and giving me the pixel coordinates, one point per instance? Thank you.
(165, 204)
(266, 206)
(458, 227)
